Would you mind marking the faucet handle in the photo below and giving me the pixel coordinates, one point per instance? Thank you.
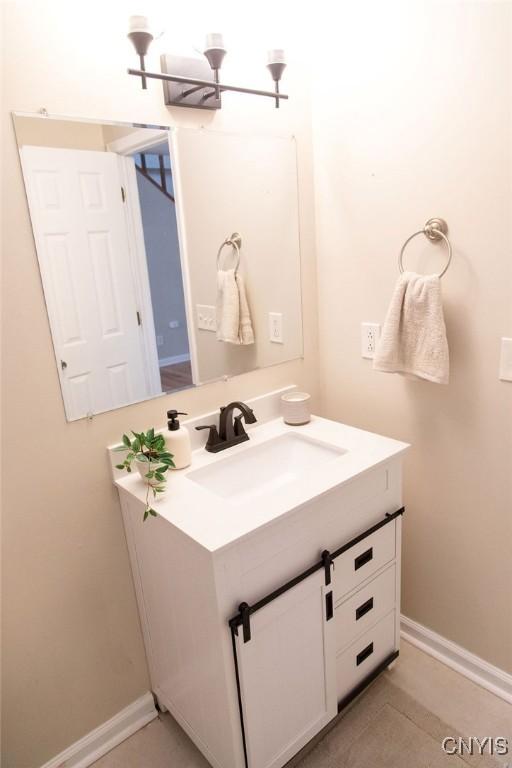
(238, 427)
(213, 436)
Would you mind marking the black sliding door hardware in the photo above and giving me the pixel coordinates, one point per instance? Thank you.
(245, 610)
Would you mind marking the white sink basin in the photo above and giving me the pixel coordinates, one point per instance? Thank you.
(266, 467)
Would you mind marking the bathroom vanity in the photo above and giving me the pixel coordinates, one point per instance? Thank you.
(269, 584)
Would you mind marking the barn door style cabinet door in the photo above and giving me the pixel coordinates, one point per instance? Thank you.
(286, 660)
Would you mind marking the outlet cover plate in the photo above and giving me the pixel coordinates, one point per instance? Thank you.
(506, 359)
(275, 327)
(370, 334)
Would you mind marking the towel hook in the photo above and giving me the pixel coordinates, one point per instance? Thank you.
(435, 229)
(236, 242)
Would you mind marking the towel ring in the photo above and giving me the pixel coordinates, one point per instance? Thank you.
(435, 229)
(236, 242)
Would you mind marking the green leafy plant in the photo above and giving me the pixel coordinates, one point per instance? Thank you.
(148, 448)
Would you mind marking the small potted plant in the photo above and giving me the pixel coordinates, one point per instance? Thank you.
(152, 460)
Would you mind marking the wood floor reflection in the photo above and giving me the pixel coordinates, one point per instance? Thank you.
(177, 376)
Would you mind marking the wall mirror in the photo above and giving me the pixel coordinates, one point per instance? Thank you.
(143, 293)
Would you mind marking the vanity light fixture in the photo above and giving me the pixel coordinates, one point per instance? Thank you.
(192, 82)
(141, 36)
(276, 65)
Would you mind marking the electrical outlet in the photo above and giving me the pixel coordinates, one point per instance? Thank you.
(159, 341)
(506, 360)
(206, 317)
(370, 334)
(275, 327)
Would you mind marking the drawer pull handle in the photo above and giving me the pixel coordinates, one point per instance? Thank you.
(329, 612)
(363, 559)
(364, 654)
(364, 608)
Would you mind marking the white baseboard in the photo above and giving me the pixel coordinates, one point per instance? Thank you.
(173, 359)
(482, 673)
(107, 736)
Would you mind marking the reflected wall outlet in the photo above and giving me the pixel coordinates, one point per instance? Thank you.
(174, 324)
(206, 317)
(159, 341)
(275, 327)
(370, 333)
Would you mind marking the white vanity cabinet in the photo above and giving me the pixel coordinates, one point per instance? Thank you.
(254, 645)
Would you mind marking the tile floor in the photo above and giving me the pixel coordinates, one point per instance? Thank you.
(399, 722)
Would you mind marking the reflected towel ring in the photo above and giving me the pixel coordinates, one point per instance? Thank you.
(236, 242)
(434, 229)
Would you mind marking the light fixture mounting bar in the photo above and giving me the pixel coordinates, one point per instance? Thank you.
(205, 83)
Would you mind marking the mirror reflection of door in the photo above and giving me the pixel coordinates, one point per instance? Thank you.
(79, 225)
(104, 223)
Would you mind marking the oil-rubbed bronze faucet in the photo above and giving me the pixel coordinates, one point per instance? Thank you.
(231, 430)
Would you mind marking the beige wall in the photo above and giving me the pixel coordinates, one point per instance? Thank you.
(73, 653)
(63, 134)
(421, 126)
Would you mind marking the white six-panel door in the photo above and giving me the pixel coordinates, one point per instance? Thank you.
(287, 673)
(81, 240)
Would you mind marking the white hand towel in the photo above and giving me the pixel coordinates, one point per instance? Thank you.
(234, 324)
(413, 340)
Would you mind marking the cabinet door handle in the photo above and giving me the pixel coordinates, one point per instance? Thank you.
(364, 654)
(246, 622)
(364, 608)
(329, 612)
(364, 558)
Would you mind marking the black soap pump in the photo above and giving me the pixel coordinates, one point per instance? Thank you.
(178, 442)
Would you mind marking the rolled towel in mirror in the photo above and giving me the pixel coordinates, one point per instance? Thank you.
(234, 324)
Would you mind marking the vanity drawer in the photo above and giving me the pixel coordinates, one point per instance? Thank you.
(364, 609)
(362, 560)
(364, 655)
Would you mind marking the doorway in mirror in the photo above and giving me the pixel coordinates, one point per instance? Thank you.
(103, 210)
(158, 213)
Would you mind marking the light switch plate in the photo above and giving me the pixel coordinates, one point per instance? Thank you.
(506, 359)
(206, 317)
(275, 327)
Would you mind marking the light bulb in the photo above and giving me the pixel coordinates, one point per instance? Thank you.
(139, 24)
(276, 56)
(214, 40)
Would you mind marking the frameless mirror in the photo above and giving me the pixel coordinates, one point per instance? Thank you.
(144, 295)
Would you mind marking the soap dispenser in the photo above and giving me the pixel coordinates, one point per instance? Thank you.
(178, 442)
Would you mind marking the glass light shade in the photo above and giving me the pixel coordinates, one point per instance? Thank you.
(214, 40)
(276, 56)
(139, 24)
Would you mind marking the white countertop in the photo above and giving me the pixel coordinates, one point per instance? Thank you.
(215, 522)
